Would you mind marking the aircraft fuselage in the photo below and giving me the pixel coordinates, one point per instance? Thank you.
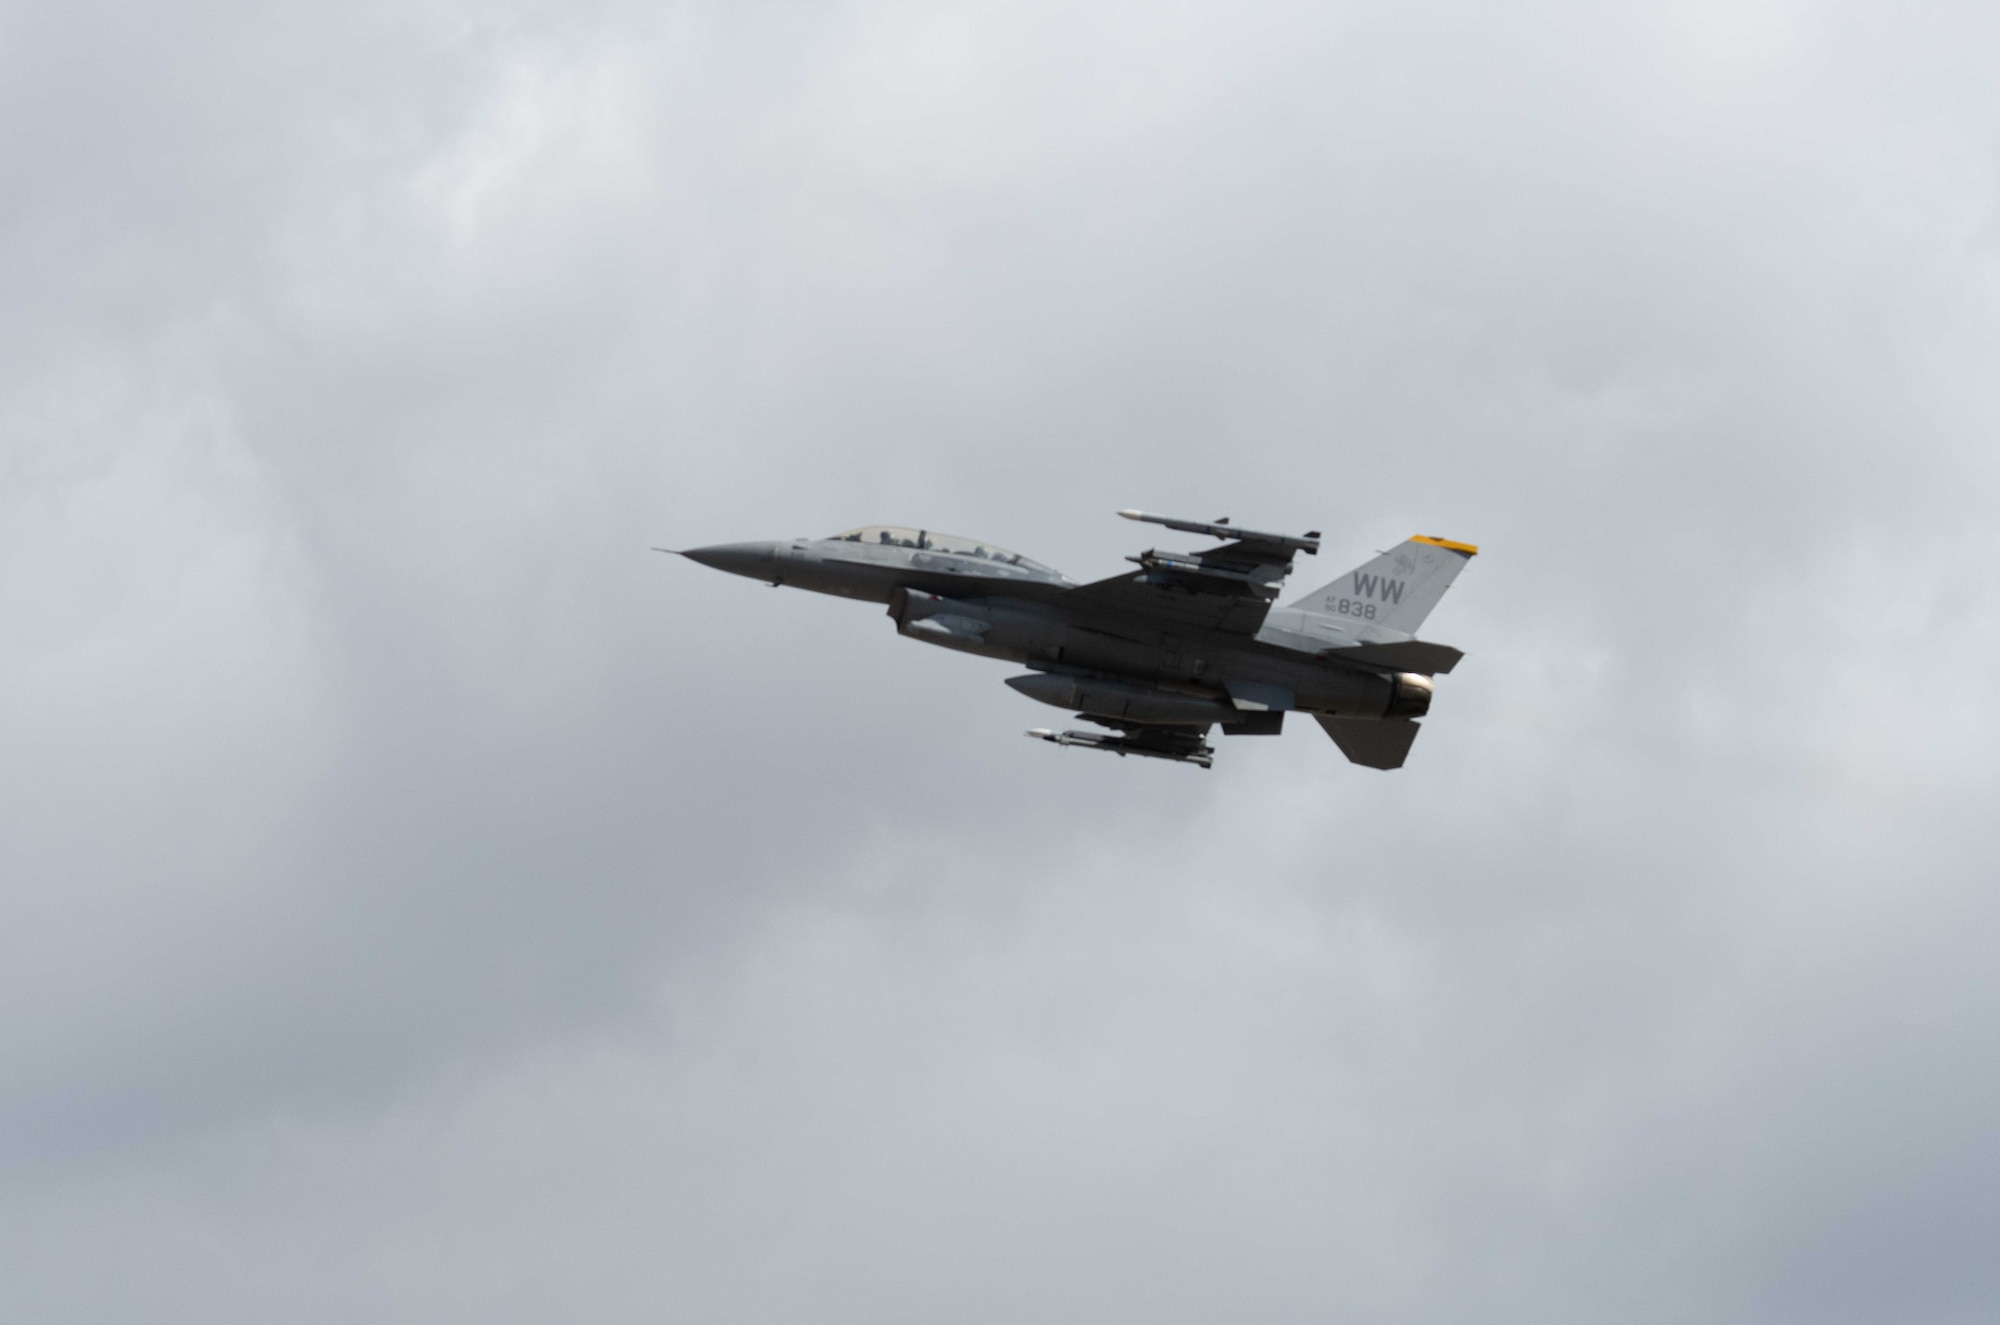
(1018, 614)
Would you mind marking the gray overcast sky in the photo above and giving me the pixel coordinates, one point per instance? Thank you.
(419, 902)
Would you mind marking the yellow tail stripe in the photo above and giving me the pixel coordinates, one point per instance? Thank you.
(1467, 548)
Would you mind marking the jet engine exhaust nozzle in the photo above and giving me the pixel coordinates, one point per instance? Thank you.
(1412, 696)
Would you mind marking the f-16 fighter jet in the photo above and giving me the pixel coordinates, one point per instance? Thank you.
(1158, 656)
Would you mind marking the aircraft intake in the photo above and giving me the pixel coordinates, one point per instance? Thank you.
(1120, 699)
(1004, 629)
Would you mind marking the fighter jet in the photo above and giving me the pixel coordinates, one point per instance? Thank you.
(1158, 656)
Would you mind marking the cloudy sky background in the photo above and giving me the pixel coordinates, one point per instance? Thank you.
(420, 902)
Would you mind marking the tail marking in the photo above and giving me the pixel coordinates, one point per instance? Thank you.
(1379, 587)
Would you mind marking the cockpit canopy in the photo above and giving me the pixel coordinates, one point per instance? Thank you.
(930, 540)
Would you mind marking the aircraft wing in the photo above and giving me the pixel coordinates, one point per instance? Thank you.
(1228, 588)
(1139, 595)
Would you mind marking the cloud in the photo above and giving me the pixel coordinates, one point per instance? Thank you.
(419, 900)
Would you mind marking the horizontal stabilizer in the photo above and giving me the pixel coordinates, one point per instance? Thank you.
(1415, 655)
(1372, 742)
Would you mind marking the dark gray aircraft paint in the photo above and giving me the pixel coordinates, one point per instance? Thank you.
(1162, 654)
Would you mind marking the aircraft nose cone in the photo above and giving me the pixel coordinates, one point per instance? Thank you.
(752, 559)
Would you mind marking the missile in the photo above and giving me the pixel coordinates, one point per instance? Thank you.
(1307, 542)
(1199, 753)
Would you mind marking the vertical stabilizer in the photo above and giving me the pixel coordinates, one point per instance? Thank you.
(1398, 589)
